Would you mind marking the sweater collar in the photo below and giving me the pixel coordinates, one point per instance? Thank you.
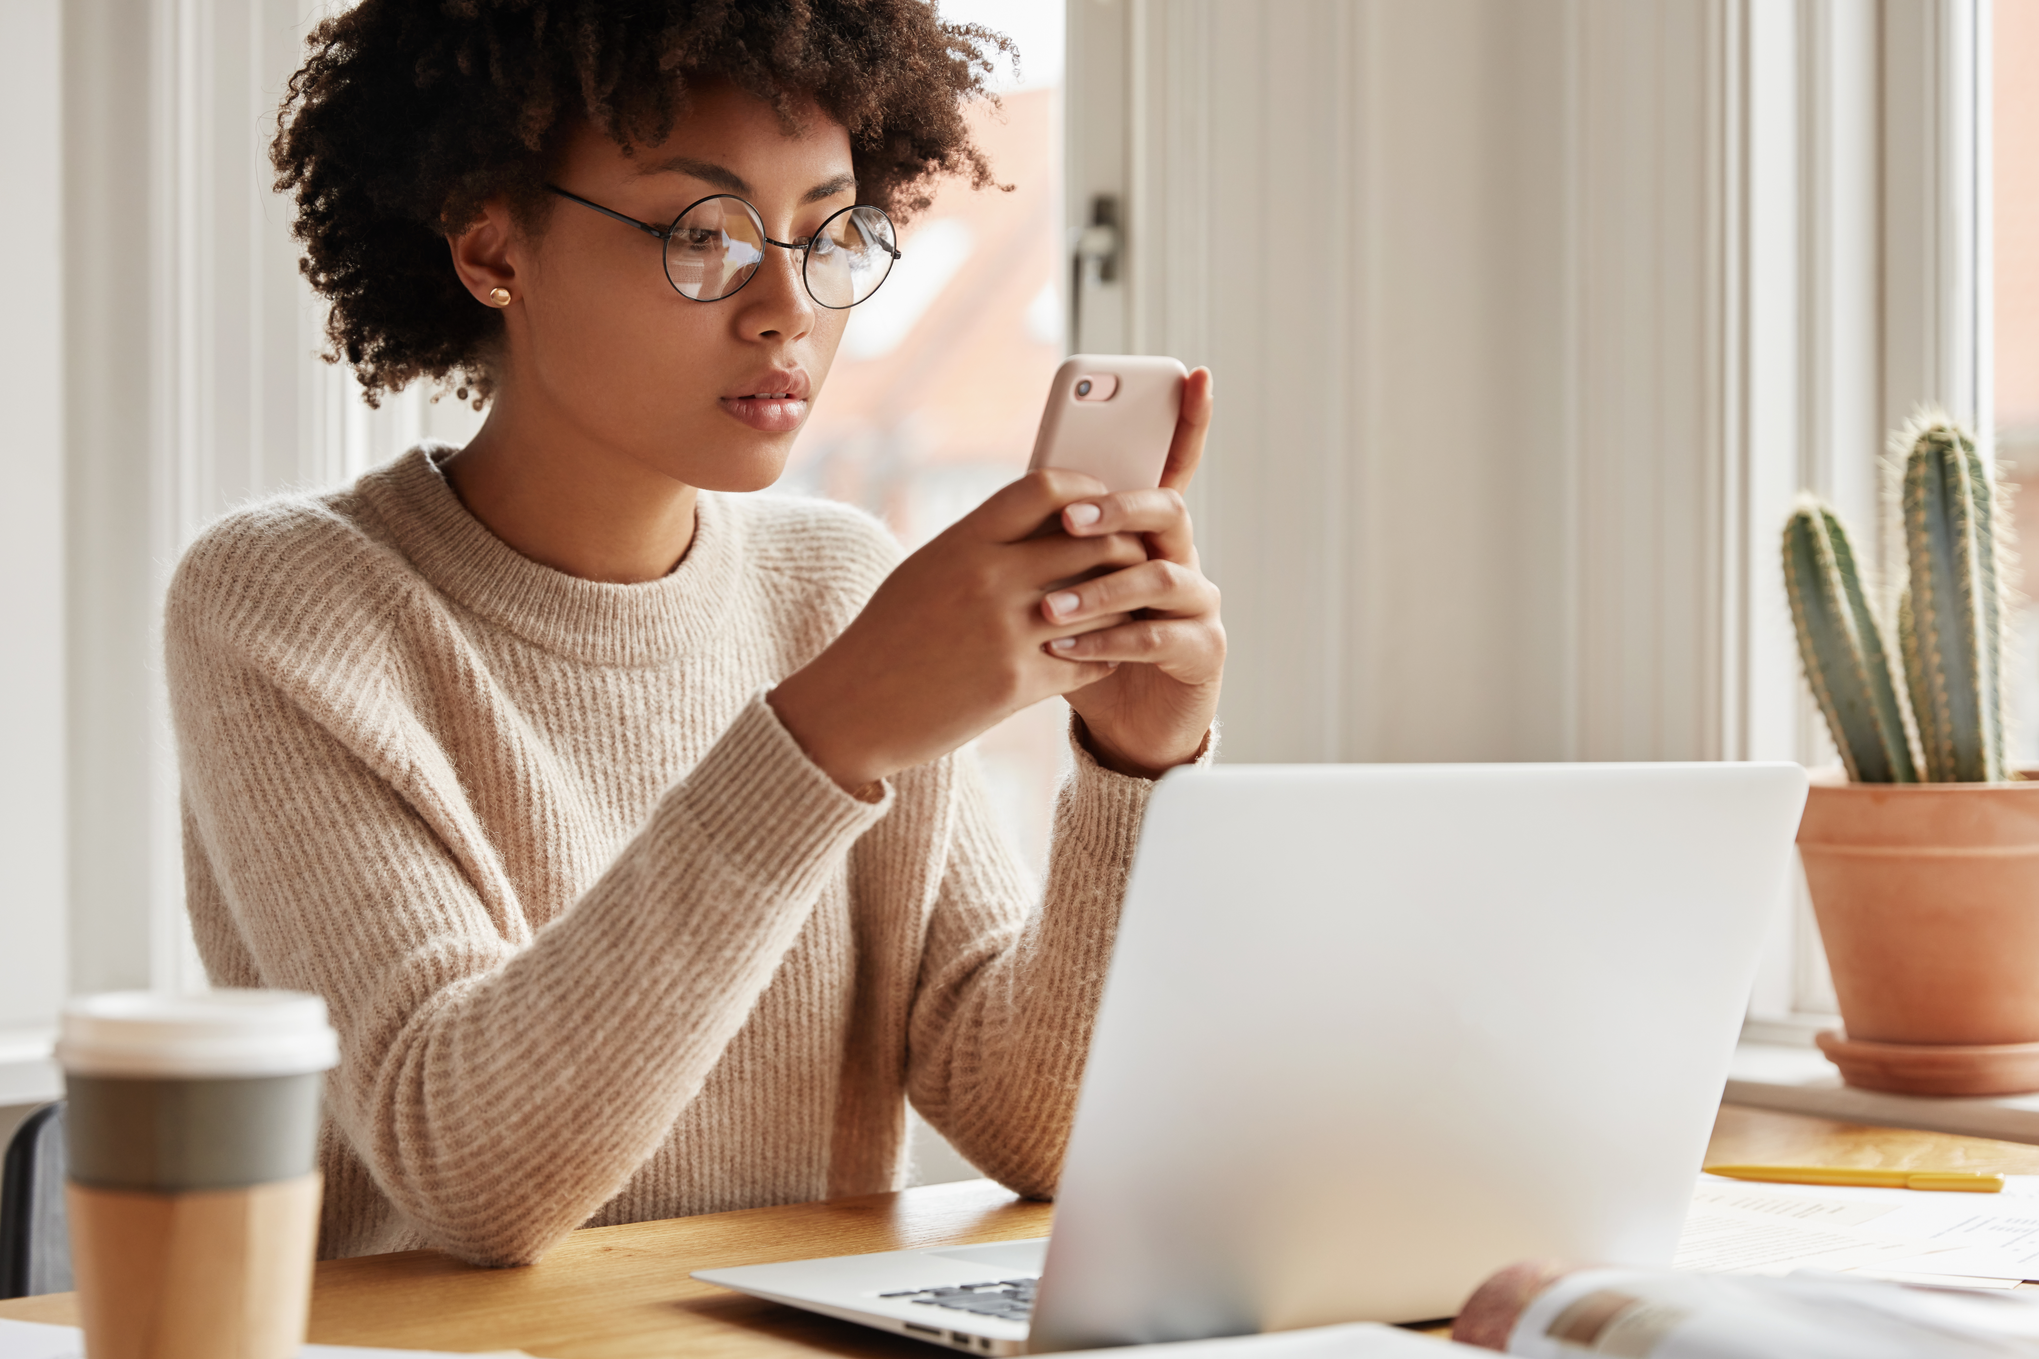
(594, 621)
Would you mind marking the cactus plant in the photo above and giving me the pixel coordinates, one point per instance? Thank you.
(1950, 619)
(1843, 649)
(1956, 609)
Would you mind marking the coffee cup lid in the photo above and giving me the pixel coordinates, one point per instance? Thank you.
(145, 1034)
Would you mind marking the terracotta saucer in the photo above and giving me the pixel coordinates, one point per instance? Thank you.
(1934, 1068)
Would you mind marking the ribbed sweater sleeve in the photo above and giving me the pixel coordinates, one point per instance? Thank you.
(1007, 998)
(499, 1084)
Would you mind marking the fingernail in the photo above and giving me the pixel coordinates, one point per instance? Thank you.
(1063, 601)
(1062, 644)
(1083, 515)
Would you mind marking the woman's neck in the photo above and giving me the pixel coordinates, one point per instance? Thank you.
(568, 501)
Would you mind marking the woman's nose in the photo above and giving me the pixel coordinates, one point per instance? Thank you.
(782, 305)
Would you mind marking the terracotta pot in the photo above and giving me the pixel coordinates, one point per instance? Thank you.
(1928, 899)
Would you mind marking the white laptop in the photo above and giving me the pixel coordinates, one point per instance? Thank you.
(1371, 1033)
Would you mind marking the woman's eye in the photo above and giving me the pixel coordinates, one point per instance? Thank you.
(698, 237)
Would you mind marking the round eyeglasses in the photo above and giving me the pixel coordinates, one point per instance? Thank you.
(717, 245)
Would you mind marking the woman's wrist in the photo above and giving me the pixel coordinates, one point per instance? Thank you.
(1117, 761)
(800, 704)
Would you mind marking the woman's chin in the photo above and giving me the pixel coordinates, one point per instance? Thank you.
(745, 471)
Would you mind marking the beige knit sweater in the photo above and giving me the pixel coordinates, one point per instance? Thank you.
(601, 943)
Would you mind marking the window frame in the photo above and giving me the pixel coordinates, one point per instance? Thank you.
(34, 815)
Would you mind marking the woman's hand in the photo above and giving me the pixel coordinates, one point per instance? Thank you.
(1152, 712)
(955, 640)
(980, 623)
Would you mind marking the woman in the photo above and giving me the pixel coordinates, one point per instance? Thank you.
(619, 816)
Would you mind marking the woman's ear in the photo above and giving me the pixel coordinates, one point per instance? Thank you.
(481, 256)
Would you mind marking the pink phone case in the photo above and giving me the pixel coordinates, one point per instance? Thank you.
(1118, 428)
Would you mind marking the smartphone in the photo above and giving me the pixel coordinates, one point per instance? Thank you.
(1113, 416)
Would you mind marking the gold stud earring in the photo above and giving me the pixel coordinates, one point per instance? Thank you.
(500, 296)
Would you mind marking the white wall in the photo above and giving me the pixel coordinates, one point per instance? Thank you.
(1476, 466)
(32, 777)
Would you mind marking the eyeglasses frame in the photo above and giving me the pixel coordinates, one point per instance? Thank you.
(665, 238)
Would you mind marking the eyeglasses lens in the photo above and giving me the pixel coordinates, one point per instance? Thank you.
(849, 257)
(714, 249)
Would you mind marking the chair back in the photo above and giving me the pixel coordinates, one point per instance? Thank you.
(35, 1235)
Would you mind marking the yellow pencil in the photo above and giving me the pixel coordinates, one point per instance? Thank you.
(1945, 1181)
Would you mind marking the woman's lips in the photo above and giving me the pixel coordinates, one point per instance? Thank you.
(768, 414)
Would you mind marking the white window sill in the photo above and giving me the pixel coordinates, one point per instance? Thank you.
(28, 1074)
(1790, 1077)
(1797, 1079)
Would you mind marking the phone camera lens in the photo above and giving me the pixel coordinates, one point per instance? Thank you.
(1083, 387)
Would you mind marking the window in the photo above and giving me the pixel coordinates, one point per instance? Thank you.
(934, 398)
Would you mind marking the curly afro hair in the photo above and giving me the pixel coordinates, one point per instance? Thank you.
(411, 114)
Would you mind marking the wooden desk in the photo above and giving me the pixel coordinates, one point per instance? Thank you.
(623, 1292)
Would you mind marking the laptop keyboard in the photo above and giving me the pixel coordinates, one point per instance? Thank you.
(1006, 1299)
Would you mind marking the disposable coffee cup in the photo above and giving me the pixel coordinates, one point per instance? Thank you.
(193, 1123)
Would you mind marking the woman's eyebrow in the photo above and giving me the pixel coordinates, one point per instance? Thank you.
(708, 172)
(829, 188)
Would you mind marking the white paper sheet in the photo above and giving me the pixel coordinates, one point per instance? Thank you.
(1358, 1340)
(1737, 1234)
(32, 1340)
(1993, 1238)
